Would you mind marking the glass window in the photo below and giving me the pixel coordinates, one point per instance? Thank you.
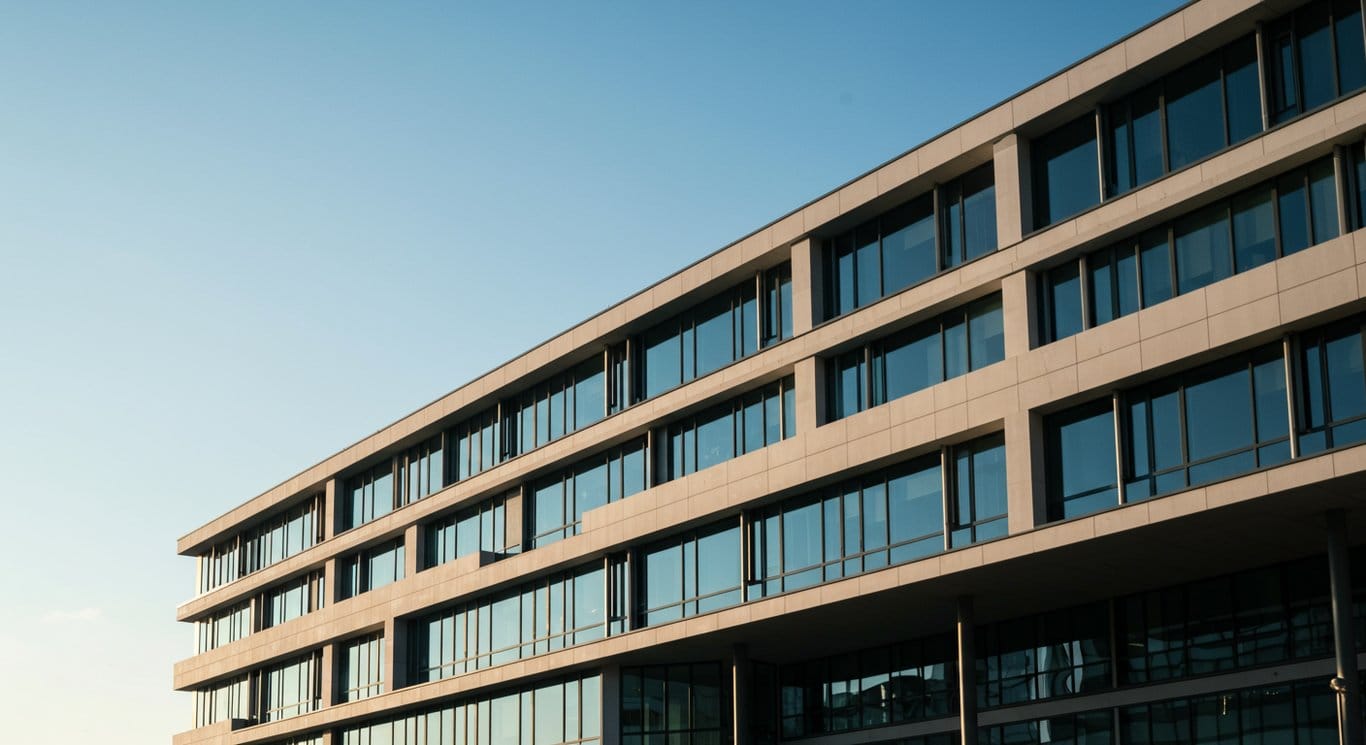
(1195, 113)
(696, 573)
(979, 491)
(559, 500)
(986, 333)
(1061, 291)
(1066, 173)
(1315, 56)
(968, 208)
(362, 667)
(1254, 229)
(1242, 94)
(908, 252)
(1081, 462)
(1332, 411)
(1323, 201)
(1202, 248)
(1135, 141)
(738, 426)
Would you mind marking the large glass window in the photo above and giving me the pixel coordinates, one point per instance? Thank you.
(534, 618)
(1314, 55)
(274, 539)
(1066, 171)
(482, 527)
(1270, 220)
(965, 339)
(691, 574)
(420, 471)
(890, 517)
(686, 704)
(230, 699)
(902, 247)
(1207, 424)
(1060, 653)
(1081, 460)
(977, 486)
(1301, 713)
(742, 425)
(1086, 728)
(292, 599)
(371, 569)
(290, 688)
(561, 711)
(368, 495)
(362, 667)
(906, 682)
(776, 323)
(714, 334)
(223, 627)
(559, 501)
(1331, 387)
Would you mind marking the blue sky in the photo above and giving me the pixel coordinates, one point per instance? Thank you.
(235, 238)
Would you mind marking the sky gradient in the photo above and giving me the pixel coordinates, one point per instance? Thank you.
(235, 238)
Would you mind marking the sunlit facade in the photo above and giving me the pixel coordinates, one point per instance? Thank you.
(1050, 430)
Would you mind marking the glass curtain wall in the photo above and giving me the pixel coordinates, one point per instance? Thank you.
(964, 339)
(742, 425)
(907, 245)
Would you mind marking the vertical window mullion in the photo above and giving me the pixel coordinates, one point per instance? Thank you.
(1288, 368)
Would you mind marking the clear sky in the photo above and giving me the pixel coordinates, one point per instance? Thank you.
(236, 237)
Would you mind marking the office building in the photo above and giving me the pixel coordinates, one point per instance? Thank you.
(1052, 429)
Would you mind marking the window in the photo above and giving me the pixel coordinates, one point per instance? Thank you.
(559, 501)
(677, 704)
(977, 486)
(890, 517)
(1303, 712)
(292, 599)
(482, 527)
(695, 573)
(1314, 55)
(478, 444)
(227, 700)
(1065, 171)
(368, 495)
(371, 569)
(273, 540)
(742, 425)
(561, 711)
(1212, 103)
(223, 627)
(776, 323)
(906, 682)
(534, 618)
(965, 339)
(1331, 387)
(1081, 460)
(715, 333)
(1270, 220)
(362, 667)
(1205, 425)
(290, 689)
(1061, 653)
(1086, 728)
(1254, 618)
(903, 247)
(421, 471)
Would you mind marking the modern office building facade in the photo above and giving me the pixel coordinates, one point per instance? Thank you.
(1052, 429)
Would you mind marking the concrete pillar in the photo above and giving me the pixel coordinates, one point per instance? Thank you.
(331, 508)
(332, 580)
(810, 392)
(611, 705)
(808, 300)
(1010, 161)
(967, 672)
(412, 550)
(1346, 684)
(740, 692)
(1024, 471)
(331, 670)
(1020, 314)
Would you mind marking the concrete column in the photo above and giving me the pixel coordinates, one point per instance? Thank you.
(331, 511)
(332, 580)
(810, 392)
(412, 550)
(1346, 683)
(967, 672)
(330, 672)
(808, 300)
(1024, 471)
(1019, 313)
(611, 705)
(1010, 161)
(740, 692)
